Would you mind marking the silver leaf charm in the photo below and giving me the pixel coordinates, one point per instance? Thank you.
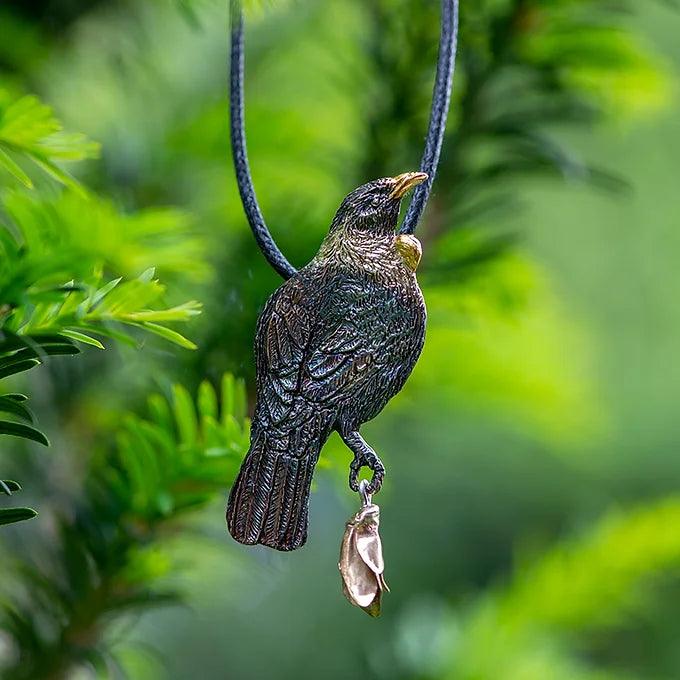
(361, 560)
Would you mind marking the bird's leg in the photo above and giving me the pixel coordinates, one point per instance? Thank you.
(364, 455)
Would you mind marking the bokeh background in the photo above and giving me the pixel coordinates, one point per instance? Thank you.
(531, 513)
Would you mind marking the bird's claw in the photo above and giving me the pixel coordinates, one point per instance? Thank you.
(375, 465)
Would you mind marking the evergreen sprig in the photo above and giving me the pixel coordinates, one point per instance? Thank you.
(29, 131)
(107, 557)
(515, 92)
(64, 235)
(54, 295)
(77, 310)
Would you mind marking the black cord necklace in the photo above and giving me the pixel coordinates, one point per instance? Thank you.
(334, 344)
(441, 97)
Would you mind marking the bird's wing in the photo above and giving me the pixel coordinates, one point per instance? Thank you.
(317, 344)
(282, 338)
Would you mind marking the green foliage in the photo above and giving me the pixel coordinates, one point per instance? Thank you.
(19, 354)
(527, 71)
(505, 333)
(29, 131)
(109, 558)
(96, 307)
(7, 486)
(185, 453)
(588, 52)
(56, 239)
(571, 597)
(337, 92)
(53, 294)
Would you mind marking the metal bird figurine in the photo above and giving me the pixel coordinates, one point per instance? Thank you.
(333, 345)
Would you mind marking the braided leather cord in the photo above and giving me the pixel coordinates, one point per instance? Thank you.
(240, 154)
(441, 98)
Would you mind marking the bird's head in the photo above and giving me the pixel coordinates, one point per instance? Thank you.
(373, 208)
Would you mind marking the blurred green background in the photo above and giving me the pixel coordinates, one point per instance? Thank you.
(531, 513)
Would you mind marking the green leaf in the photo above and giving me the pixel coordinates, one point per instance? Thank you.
(160, 412)
(228, 396)
(240, 405)
(9, 486)
(60, 175)
(147, 275)
(27, 120)
(168, 334)
(207, 400)
(108, 332)
(185, 415)
(29, 128)
(70, 146)
(11, 341)
(81, 337)
(105, 290)
(66, 348)
(178, 313)
(24, 431)
(12, 167)
(9, 405)
(11, 515)
(19, 367)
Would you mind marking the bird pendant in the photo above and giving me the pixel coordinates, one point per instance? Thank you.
(333, 345)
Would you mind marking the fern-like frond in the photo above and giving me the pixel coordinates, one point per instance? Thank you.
(107, 556)
(184, 452)
(68, 233)
(74, 311)
(30, 132)
(53, 252)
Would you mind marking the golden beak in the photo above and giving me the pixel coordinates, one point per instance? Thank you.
(406, 181)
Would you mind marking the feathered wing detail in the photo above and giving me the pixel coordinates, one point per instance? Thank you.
(327, 356)
(269, 501)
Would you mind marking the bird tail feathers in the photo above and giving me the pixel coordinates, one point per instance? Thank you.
(268, 503)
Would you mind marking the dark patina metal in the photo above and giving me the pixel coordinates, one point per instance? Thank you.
(333, 345)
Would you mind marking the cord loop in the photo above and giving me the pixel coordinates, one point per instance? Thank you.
(441, 97)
